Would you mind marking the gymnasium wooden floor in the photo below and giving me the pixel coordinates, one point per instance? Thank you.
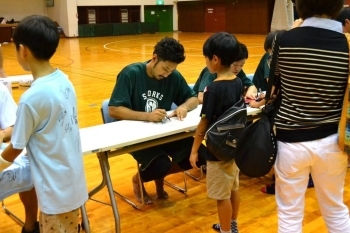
(92, 65)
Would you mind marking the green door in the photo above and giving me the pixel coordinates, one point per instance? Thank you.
(162, 14)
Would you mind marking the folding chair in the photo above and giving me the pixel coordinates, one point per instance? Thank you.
(108, 119)
(12, 215)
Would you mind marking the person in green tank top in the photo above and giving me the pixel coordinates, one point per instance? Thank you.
(205, 78)
(145, 91)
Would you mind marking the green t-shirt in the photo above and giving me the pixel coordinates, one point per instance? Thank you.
(262, 72)
(135, 90)
(205, 78)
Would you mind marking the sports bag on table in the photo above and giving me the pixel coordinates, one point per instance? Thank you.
(221, 136)
(256, 149)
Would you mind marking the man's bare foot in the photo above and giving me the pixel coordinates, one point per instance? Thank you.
(162, 195)
(137, 192)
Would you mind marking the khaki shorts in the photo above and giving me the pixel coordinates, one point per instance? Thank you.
(60, 223)
(222, 179)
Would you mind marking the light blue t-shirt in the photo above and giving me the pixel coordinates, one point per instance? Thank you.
(47, 125)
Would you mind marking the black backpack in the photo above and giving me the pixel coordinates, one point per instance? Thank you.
(222, 135)
(257, 147)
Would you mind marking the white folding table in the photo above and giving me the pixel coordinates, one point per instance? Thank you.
(121, 137)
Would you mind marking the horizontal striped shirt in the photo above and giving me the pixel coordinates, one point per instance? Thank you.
(313, 64)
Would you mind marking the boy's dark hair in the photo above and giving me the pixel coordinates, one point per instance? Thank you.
(39, 34)
(309, 8)
(343, 15)
(269, 40)
(243, 52)
(223, 45)
(169, 49)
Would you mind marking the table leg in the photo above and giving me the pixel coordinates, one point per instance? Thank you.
(84, 216)
(105, 170)
(103, 182)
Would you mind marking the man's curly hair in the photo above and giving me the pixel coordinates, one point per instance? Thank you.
(169, 49)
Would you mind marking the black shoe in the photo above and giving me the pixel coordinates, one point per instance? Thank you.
(216, 226)
(234, 228)
(36, 230)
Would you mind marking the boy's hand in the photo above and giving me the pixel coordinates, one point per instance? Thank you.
(251, 94)
(255, 104)
(194, 159)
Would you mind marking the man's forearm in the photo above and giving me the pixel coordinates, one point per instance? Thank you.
(190, 103)
(123, 113)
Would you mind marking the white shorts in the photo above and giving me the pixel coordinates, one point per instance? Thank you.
(16, 178)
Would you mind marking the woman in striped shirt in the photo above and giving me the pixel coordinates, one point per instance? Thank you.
(313, 65)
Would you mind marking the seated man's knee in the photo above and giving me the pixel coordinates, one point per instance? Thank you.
(156, 169)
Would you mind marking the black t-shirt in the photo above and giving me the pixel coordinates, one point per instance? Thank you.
(218, 97)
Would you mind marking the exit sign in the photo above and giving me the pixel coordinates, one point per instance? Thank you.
(160, 2)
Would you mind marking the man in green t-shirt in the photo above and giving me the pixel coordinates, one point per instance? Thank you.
(205, 78)
(144, 92)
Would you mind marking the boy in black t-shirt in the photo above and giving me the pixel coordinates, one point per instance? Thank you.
(220, 50)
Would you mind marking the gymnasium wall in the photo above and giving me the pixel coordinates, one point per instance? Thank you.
(64, 12)
(124, 2)
(18, 9)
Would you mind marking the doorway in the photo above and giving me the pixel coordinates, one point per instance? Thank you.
(162, 14)
(215, 17)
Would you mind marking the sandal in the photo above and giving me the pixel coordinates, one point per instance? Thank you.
(137, 191)
(164, 196)
(269, 189)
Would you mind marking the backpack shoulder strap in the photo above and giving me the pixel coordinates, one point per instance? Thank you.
(273, 68)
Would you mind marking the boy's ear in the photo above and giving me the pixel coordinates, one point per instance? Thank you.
(23, 51)
(215, 59)
(346, 27)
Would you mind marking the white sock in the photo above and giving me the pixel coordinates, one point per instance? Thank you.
(225, 231)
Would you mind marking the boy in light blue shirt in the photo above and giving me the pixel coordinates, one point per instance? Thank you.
(47, 126)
